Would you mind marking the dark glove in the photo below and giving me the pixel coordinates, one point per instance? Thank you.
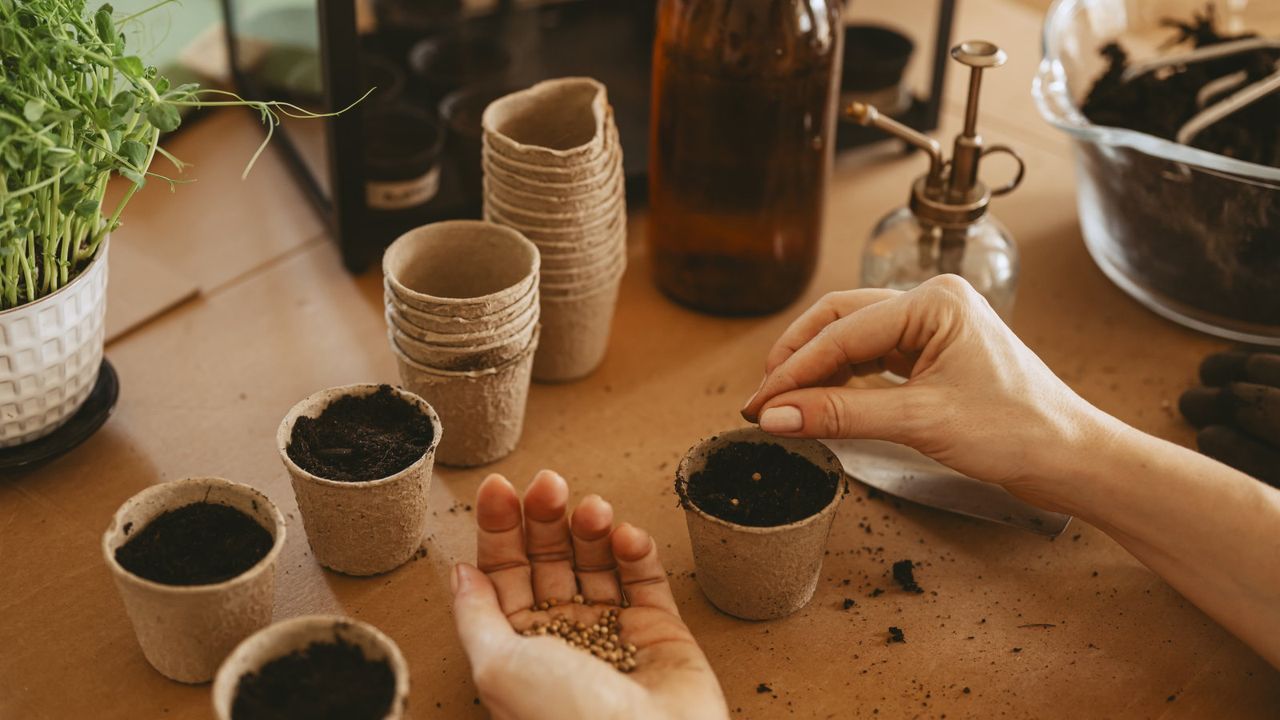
(1238, 412)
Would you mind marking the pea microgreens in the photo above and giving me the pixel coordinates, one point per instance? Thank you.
(75, 109)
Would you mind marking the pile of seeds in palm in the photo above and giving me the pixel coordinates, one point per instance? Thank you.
(599, 639)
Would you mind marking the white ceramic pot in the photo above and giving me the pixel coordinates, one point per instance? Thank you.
(50, 351)
(298, 633)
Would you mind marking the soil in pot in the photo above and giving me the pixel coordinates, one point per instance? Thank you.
(759, 485)
(198, 544)
(324, 680)
(361, 438)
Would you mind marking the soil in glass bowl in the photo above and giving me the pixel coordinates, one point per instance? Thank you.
(1195, 237)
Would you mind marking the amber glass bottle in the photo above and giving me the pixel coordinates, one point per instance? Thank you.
(742, 127)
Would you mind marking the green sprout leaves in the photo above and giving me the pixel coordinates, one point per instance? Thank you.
(75, 110)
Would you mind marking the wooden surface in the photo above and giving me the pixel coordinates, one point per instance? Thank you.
(204, 387)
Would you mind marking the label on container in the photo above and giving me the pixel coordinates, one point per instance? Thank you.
(401, 194)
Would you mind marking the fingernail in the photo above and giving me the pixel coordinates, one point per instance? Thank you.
(453, 579)
(752, 399)
(782, 419)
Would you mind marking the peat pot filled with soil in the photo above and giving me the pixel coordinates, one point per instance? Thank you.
(318, 666)
(759, 509)
(194, 561)
(361, 457)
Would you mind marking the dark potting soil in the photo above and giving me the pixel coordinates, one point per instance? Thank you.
(759, 485)
(1160, 102)
(896, 635)
(358, 439)
(1167, 223)
(324, 681)
(197, 544)
(904, 575)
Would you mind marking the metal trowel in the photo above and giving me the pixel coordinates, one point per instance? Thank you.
(902, 472)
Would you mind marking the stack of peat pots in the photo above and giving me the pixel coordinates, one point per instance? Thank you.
(463, 321)
(553, 171)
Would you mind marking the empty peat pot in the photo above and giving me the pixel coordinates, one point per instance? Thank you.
(759, 509)
(314, 666)
(561, 123)
(198, 573)
(485, 407)
(361, 459)
(466, 269)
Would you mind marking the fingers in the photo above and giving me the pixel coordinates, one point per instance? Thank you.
(592, 524)
(1251, 407)
(866, 334)
(500, 549)
(875, 413)
(1234, 448)
(547, 537)
(640, 570)
(1258, 410)
(827, 310)
(482, 625)
(1238, 365)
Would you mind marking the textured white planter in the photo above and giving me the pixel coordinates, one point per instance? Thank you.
(186, 630)
(759, 573)
(361, 528)
(50, 351)
(288, 636)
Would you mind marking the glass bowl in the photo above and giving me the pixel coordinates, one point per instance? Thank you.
(1193, 235)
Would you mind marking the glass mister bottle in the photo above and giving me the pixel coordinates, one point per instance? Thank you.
(742, 128)
(946, 226)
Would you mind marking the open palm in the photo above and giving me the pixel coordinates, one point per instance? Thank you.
(541, 555)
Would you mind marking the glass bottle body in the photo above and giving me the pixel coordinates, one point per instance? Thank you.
(902, 253)
(744, 96)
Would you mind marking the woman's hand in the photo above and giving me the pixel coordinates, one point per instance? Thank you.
(545, 557)
(980, 401)
(977, 399)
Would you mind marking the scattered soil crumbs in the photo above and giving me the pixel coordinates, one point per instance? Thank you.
(848, 603)
(762, 689)
(324, 681)
(904, 575)
(895, 635)
(358, 439)
(759, 485)
(197, 544)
